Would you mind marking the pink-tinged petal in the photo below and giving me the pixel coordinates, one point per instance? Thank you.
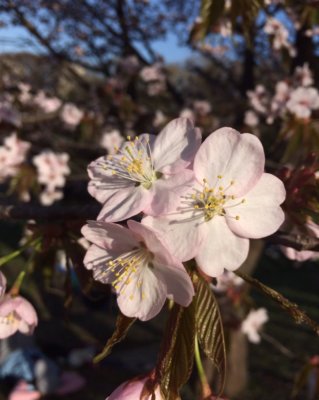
(7, 306)
(125, 203)
(109, 236)
(26, 311)
(222, 249)
(3, 284)
(299, 256)
(176, 146)
(166, 192)
(8, 328)
(260, 215)
(132, 390)
(232, 156)
(183, 235)
(179, 286)
(143, 295)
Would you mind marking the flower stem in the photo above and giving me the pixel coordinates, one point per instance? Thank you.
(206, 391)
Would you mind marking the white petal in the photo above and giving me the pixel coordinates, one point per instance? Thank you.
(109, 235)
(142, 301)
(182, 234)
(125, 203)
(233, 156)
(222, 249)
(178, 284)
(176, 146)
(260, 215)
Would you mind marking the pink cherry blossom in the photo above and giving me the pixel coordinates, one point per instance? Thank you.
(136, 262)
(231, 200)
(147, 174)
(303, 255)
(280, 35)
(71, 114)
(226, 281)
(302, 101)
(133, 390)
(47, 104)
(152, 73)
(52, 170)
(303, 76)
(12, 154)
(251, 118)
(111, 140)
(202, 107)
(16, 313)
(259, 99)
(253, 323)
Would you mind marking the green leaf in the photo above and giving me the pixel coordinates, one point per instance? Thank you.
(209, 327)
(31, 243)
(123, 325)
(211, 11)
(177, 353)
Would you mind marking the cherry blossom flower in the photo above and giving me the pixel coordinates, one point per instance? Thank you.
(52, 170)
(258, 99)
(12, 154)
(147, 174)
(303, 76)
(132, 390)
(302, 101)
(159, 119)
(202, 107)
(16, 313)
(152, 73)
(253, 323)
(227, 280)
(251, 118)
(280, 35)
(136, 262)
(25, 92)
(231, 200)
(111, 140)
(47, 104)
(71, 114)
(303, 255)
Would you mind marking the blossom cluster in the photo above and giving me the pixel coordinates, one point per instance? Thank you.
(16, 313)
(51, 168)
(194, 201)
(296, 98)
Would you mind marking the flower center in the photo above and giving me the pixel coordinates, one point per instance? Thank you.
(9, 319)
(133, 161)
(129, 267)
(213, 201)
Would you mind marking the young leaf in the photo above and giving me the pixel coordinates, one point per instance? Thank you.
(209, 327)
(177, 354)
(123, 325)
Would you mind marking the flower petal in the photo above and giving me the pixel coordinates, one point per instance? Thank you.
(103, 184)
(260, 215)
(176, 146)
(125, 203)
(232, 156)
(178, 284)
(222, 249)
(182, 235)
(26, 311)
(166, 192)
(109, 236)
(143, 295)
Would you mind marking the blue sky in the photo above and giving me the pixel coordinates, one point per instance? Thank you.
(12, 39)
